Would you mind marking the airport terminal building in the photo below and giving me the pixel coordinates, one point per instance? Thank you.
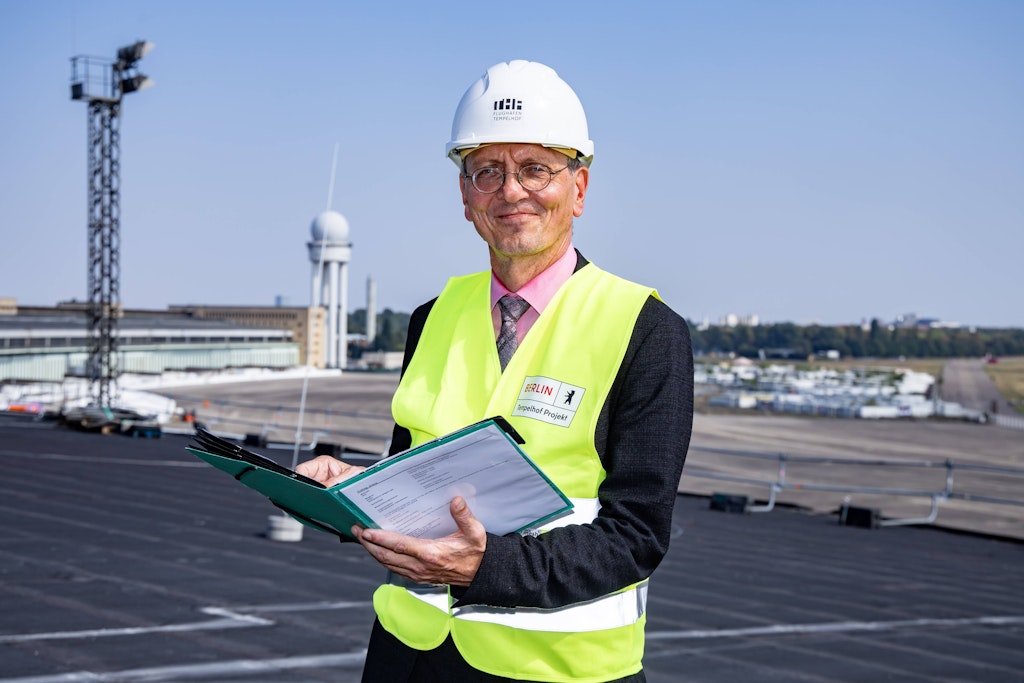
(50, 343)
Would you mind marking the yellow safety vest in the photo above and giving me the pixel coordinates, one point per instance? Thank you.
(552, 392)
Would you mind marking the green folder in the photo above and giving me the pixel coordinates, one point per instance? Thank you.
(409, 491)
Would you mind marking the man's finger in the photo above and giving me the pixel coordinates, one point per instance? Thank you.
(468, 524)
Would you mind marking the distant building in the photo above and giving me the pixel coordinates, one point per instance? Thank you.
(936, 324)
(298, 320)
(906, 320)
(733, 320)
(49, 343)
(913, 320)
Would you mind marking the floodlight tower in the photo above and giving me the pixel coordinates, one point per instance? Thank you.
(102, 83)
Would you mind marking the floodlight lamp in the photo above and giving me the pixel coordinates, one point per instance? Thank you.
(130, 54)
(138, 82)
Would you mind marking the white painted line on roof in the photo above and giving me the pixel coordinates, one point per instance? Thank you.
(835, 627)
(263, 666)
(188, 672)
(227, 619)
(91, 458)
(302, 606)
(238, 617)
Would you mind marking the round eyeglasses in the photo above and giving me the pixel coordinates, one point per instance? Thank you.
(532, 177)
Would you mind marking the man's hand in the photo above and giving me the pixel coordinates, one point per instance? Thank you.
(450, 560)
(327, 470)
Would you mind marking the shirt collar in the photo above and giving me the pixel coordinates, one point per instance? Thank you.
(539, 291)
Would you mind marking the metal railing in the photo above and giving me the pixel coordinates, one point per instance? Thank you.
(279, 409)
(771, 471)
(956, 481)
(283, 430)
(1011, 421)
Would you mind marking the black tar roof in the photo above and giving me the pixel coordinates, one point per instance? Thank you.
(127, 559)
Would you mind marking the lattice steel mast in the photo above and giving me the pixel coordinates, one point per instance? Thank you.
(102, 83)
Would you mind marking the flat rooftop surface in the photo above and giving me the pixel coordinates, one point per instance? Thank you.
(127, 559)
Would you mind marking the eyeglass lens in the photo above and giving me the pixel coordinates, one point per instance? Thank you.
(533, 177)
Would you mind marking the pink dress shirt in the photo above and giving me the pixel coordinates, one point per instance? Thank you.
(538, 292)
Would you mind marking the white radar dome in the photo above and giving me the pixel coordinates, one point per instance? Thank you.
(329, 226)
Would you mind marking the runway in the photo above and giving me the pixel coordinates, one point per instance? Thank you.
(965, 382)
(129, 560)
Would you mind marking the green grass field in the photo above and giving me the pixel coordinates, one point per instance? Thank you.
(1008, 375)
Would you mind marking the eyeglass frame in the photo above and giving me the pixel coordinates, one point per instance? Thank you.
(504, 174)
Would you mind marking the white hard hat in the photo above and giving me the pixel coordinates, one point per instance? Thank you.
(520, 101)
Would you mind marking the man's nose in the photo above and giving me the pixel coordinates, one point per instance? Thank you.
(512, 190)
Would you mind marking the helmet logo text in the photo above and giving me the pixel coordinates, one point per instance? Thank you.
(508, 109)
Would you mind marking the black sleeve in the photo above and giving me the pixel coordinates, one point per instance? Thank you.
(401, 439)
(642, 437)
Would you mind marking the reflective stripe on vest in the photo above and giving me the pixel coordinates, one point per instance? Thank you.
(609, 611)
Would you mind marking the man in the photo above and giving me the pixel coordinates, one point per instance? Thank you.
(566, 603)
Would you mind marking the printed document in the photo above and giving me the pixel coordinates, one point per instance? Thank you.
(412, 493)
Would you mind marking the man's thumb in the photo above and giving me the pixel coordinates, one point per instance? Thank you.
(461, 513)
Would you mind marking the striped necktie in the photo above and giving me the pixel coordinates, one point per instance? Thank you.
(512, 308)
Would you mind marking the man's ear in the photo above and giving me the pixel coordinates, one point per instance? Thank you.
(582, 180)
(463, 187)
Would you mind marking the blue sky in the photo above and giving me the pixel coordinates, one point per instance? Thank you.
(805, 161)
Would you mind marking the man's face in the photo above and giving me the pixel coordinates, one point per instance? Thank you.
(516, 222)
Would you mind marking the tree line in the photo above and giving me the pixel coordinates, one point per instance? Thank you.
(392, 328)
(788, 340)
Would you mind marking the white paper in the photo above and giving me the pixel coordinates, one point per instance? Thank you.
(412, 494)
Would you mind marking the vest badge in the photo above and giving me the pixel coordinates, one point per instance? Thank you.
(549, 400)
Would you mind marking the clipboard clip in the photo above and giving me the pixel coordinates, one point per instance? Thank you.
(507, 428)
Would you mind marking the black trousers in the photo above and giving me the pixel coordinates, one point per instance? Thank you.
(389, 660)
